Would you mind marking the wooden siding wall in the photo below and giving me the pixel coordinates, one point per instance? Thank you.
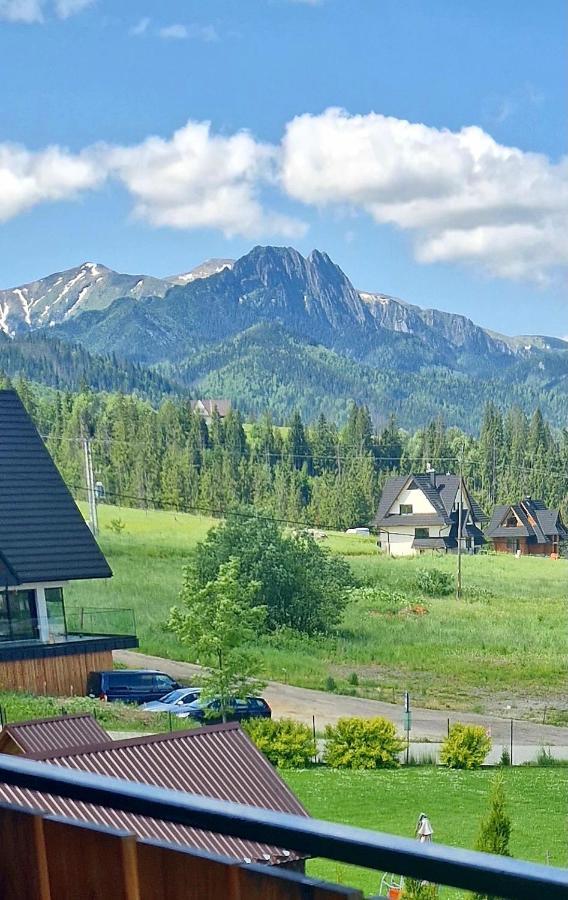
(58, 676)
(48, 858)
(501, 546)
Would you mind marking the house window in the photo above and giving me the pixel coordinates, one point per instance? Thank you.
(511, 522)
(55, 612)
(406, 509)
(18, 616)
(421, 532)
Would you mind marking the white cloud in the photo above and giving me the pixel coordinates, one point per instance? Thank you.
(174, 32)
(27, 11)
(179, 32)
(198, 179)
(32, 11)
(464, 196)
(64, 9)
(141, 27)
(461, 195)
(27, 179)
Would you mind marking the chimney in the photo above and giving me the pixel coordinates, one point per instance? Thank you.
(431, 472)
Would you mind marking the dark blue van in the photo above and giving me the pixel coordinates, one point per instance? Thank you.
(129, 685)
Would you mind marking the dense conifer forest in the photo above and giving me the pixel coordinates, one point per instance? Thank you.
(312, 473)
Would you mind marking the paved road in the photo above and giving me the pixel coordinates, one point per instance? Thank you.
(302, 704)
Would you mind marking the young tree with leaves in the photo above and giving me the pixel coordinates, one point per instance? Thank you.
(219, 621)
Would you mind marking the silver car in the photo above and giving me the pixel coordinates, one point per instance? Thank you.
(178, 702)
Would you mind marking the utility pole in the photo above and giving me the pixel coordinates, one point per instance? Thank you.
(460, 517)
(90, 482)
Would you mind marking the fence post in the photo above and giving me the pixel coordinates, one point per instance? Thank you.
(448, 726)
(315, 739)
(511, 754)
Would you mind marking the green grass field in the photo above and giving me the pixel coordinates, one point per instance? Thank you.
(505, 643)
(455, 801)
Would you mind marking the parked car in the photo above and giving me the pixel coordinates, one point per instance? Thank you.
(209, 711)
(176, 702)
(130, 685)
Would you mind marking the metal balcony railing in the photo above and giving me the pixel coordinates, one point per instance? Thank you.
(85, 620)
(479, 872)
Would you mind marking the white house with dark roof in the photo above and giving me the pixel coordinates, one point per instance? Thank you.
(422, 512)
(44, 544)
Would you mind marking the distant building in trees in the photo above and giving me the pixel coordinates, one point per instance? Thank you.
(206, 408)
(422, 512)
(528, 527)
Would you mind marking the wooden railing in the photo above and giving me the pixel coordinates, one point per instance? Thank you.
(50, 858)
(47, 858)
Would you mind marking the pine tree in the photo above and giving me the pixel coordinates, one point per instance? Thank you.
(495, 829)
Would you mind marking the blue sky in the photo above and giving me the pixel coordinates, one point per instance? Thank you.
(421, 143)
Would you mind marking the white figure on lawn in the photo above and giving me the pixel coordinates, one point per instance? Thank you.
(424, 830)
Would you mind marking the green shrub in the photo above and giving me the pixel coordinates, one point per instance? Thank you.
(505, 758)
(353, 679)
(285, 743)
(465, 747)
(434, 583)
(330, 683)
(379, 599)
(362, 744)
(117, 526)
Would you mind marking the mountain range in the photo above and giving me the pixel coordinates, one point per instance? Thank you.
(275, 329)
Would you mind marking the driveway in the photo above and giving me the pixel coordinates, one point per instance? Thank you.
(303, 704)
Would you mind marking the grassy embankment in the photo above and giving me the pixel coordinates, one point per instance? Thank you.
(454, 800)
(506, 642)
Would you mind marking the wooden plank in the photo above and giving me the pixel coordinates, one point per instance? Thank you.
(23, 861)
(90, 861)
(60, 676)
(257, 882)
(169, 872)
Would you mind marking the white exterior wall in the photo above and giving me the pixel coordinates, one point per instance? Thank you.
(418, 500)
(397, 541)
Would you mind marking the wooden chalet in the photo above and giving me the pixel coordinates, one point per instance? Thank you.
(44, 544)
(527, 528)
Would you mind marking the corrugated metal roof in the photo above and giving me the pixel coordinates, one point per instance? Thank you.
(43, 536)
(217, 761)
(55, 733)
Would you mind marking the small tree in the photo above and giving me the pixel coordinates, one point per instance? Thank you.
(465, 747)
(495, 829)
(218, 621)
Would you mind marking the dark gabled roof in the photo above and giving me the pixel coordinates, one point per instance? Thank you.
(218, 761)
(538, 523)
(440, 490)
(55, 733)
(43, 536)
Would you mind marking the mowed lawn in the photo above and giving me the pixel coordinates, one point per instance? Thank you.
(506, 642)
(454, 800)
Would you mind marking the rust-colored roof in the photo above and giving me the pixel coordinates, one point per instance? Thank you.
(218, 761)
(53, 734)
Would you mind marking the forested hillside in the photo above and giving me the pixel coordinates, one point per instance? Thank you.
(319, 474)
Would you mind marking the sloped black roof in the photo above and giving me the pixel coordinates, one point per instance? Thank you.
(441, 491)
(43, 536)
(546, 523)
